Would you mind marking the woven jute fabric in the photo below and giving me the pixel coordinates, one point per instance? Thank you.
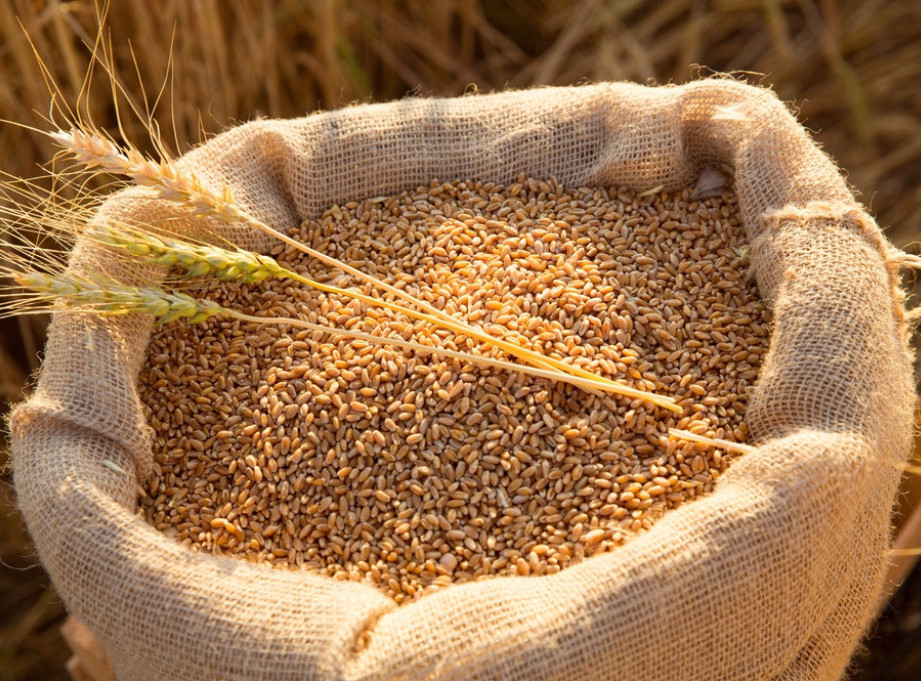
(775, 575)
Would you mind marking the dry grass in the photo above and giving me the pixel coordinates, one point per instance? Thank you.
(853, 68)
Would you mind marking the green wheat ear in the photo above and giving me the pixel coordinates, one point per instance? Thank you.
(72, 292)
(198, 260)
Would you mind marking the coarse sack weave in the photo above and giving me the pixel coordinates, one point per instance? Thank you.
(775, 575)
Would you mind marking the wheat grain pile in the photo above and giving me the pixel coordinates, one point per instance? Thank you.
(415, 472)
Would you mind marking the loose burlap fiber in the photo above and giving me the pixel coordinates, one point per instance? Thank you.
(775, 575)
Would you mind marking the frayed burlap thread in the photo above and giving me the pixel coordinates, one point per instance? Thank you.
(776, 575)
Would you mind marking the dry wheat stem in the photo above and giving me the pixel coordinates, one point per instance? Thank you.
(905, 552)
(728, 445)
(170, 183)
(435, 350)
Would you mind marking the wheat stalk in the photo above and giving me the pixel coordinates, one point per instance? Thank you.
(96, 152)
(728, 445)
(905, 552)
(741, 448)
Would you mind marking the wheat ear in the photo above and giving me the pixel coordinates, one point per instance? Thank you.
(67, 291)
(94, 151)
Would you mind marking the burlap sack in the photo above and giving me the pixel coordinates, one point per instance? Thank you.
(774, 576)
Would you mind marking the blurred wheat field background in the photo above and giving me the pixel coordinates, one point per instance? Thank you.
(852, 68)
